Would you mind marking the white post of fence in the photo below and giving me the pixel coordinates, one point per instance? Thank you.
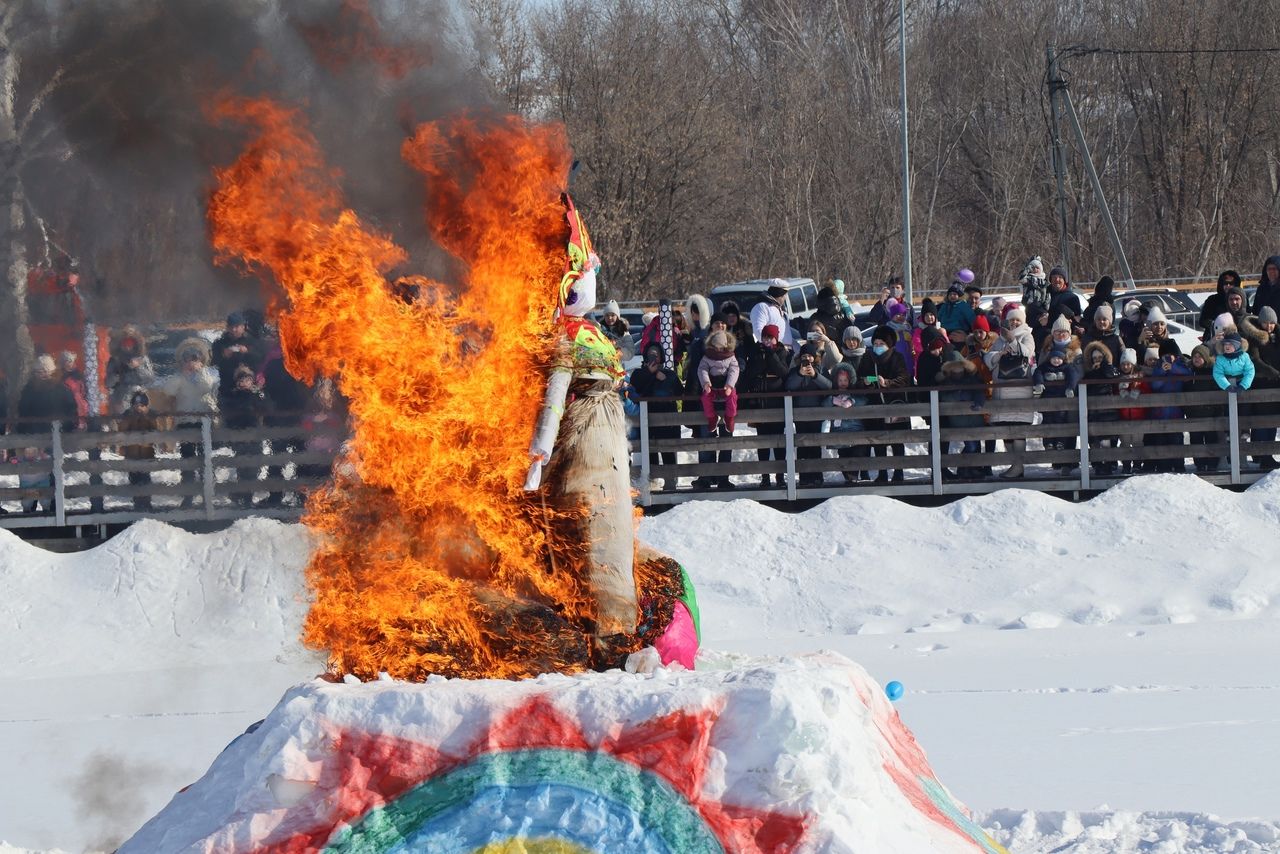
(1233, 425)
(789, 429)
(206, 446)
(935, 441)
(59, 477)
(645, 497)
(1082, 404)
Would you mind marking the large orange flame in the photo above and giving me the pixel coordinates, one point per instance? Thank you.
(431, 558)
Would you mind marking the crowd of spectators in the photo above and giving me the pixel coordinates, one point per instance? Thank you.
(240, 381)
(971, 350)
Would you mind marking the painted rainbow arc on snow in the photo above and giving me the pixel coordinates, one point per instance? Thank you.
(615, 805)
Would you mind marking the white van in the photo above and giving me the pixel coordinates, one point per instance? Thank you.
(802, 298)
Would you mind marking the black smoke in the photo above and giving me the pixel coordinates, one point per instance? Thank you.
(121, 151)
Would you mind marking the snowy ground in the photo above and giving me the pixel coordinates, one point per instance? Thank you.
(1138, 711)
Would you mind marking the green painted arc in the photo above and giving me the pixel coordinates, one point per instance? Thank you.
(659, 806)
(690, 600)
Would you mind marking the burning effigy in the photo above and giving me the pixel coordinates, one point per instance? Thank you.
(475, 559)
(434, 557)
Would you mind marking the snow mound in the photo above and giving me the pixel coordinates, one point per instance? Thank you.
(154, 596)
(746, 755)
(1158, 549)
(1124, 832)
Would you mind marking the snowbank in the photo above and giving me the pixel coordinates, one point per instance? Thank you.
(154, 596)
(1114, 832)
(801, 754)
(1159, 549)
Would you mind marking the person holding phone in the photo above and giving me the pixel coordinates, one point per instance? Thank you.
(829, 354)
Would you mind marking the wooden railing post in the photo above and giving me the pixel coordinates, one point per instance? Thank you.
(206, 445)
(935, 441)
(789, 430)
(59, 477)
(1233, 424)
(1082, 404)
(645, 497)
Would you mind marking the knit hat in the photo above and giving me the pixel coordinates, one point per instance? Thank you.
(1169, 347)
(1223, 321)
(1152, 353)
(928, 307)
(648, 317)
(719, 318)
(931, 336)
(1235, 339)
(972, 289)
(1128, 354)
(898, 309)
(981, 322)
(1059, 271)
(730, 307)
(851, 333)
(1155, 315)
(1058, 349)
(956, 288)
(1013, 311)
(1203, 351)
(770, 330)
(1062, 324)
(1267, 315)
(45, 366)
(1103, 311)
(611, 307)
(1131, 309)
(235, 318)
(965, 276)
(1104, 287)
(777, 289)
(885, 334)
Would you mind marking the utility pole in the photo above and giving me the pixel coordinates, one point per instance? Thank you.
(1059, 161)
(906, 157)
(1058, 92)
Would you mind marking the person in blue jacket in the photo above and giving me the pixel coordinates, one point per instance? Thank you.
(1168, 376)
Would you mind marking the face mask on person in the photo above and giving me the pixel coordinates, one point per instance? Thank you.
(879, 349)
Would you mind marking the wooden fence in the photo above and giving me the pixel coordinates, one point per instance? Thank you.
(82, 478)
(200, 472)
(1083, 422)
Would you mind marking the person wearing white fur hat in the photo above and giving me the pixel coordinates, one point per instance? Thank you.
(1011, 361)
(1131, 325)
(1131, 385)
(1157, 331)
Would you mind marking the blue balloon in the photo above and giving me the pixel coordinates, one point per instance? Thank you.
(893, 690)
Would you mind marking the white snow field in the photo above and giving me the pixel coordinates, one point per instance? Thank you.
(1131, 704)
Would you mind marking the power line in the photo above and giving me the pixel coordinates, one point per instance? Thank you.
(1081, 50)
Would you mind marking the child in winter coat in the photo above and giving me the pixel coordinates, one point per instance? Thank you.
(1098, 366)
(718, 376)
(1056, 376)
(138, 419)
(1202, 361)
(963, 385)
(1131, 386)
(1233, 370)
(844, 400)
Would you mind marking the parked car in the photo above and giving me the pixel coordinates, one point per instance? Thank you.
(1178, 307)
(802, 298)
